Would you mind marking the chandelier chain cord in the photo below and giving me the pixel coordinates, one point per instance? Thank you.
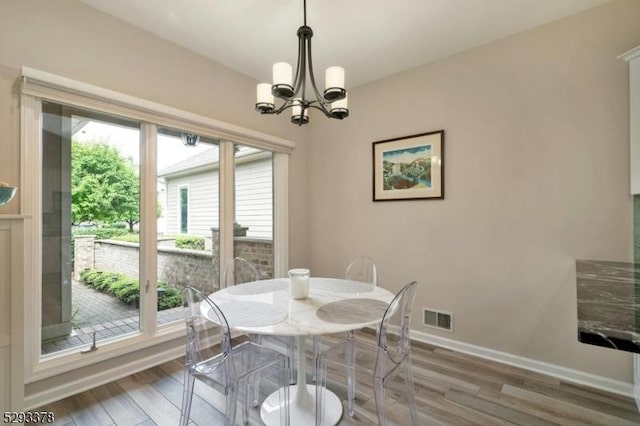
(305, 13)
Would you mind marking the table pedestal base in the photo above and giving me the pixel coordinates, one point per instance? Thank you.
(302, 408)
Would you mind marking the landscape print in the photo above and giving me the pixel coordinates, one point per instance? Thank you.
(407, 168)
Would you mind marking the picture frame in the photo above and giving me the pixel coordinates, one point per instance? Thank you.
(409, 167)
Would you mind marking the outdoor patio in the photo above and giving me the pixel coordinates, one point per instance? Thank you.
(103, 314)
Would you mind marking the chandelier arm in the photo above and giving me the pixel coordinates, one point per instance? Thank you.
(303, 76)
(319, 99)
(320, 106)
(311, 76)
(299, 69)
(285, 105)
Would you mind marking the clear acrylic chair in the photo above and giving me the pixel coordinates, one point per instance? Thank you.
(240, 271)
(212, 358)
(361, 269)
(382, 361)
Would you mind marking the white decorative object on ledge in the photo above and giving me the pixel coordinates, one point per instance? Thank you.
(6, 193)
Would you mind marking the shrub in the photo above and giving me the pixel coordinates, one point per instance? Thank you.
(169, 297)
(128, 289)
(88, 275)
(190, 242)
(103, 281)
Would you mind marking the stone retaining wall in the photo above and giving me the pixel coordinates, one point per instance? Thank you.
(176, 267)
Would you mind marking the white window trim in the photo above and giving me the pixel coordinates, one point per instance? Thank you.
(44, 85)
(148, 227)
(39, 85)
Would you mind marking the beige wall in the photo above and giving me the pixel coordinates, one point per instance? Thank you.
(68, 38)
(536, 154)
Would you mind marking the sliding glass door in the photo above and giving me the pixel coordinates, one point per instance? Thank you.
(90, 222)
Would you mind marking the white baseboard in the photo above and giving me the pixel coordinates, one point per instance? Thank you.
(574, 376)
(567, 374)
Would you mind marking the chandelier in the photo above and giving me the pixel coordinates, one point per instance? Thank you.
(333, 101)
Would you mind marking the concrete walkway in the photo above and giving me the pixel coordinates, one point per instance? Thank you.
(102, 314)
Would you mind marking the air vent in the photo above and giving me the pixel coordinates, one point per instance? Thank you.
(437, 319)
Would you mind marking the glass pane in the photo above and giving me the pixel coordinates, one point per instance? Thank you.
(253, 227)
(184, 209)
(188, 175)
(90, 216)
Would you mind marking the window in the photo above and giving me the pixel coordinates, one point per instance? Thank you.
(121, 196)
(184, 209)
(90, 214)
(253, 200)
(188, 227)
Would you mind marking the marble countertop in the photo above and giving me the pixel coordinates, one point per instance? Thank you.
(609, 304)
(333, 306)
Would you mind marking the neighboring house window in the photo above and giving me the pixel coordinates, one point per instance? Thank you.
(184, 209)
(103, 171)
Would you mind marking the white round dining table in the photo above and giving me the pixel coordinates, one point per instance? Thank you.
(333, 306)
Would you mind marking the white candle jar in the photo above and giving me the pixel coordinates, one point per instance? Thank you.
(299, 283)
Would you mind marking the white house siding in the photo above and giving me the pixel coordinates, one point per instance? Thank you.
(203, 203)
(254, 197)
(254, 200)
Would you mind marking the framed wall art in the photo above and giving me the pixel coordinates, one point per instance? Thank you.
(409, 168)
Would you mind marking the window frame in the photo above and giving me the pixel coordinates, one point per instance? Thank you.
(38, 86)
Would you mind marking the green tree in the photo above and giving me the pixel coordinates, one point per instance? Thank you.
(104, 186)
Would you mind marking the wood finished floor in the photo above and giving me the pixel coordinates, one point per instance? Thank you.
(451, 389)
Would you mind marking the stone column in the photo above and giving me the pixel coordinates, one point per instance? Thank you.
(215, 257)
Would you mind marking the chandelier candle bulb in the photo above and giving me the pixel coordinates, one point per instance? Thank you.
(282, 80)
(265, 100)
(334, 83)
(299, 283)
(339, 109)
(297, 116)
(296, 108)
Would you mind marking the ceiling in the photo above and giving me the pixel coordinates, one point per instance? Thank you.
(371, 39)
